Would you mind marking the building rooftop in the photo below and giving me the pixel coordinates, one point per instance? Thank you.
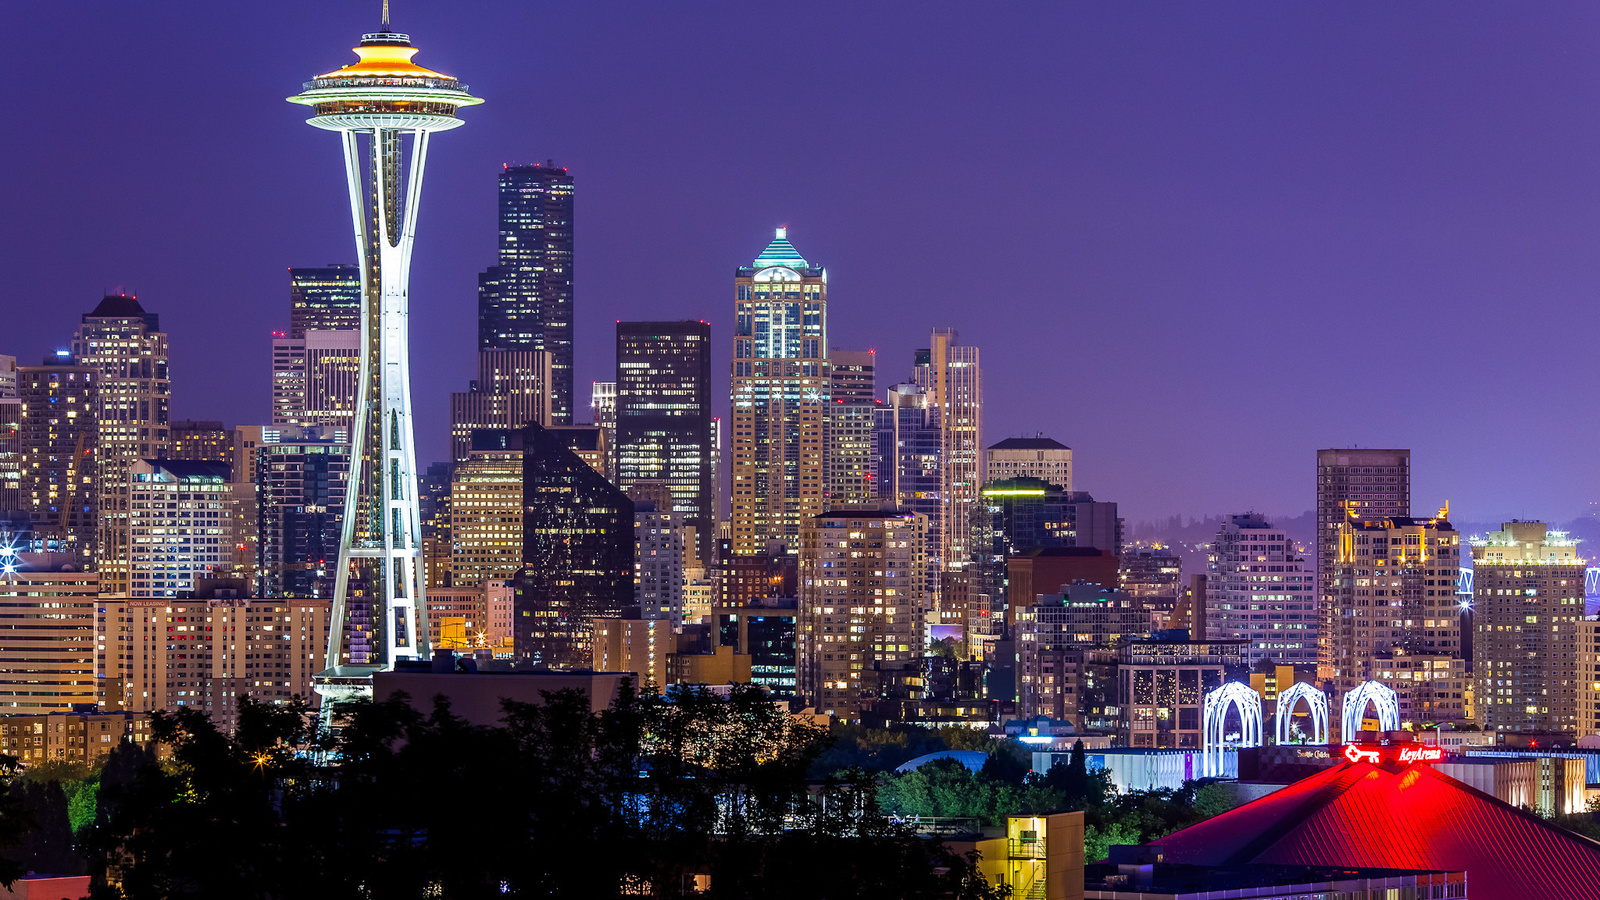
(1033, 443)
(122, 306)
(1397, 816)
(781, 253)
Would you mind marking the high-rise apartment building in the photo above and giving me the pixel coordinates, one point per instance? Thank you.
(1035, 457)
(908, 462)
(1258, 589)
(208, 651)
(780, 393)
(661, 547)
(201, 441)
(525, 302)
(1352, 484)
(1527, 605)
(512, 389)
(47, 637)
(1155, 576)
(486, 511)
(315, 378)
(663, 419)
(848, 431)
(1588, 676)
(181, 519)
(58, 438)
(324, 299)
(301, 477)
(126, 347)
(1395, 614)
(949, 372)
(577, 552)
(862, 603)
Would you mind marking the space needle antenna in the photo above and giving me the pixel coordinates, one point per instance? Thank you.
(385, 15)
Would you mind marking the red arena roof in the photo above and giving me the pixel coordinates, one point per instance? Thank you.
(1398, 817)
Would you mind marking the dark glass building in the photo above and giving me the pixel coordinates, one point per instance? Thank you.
(325, 299)
(577, 553)
(525, 302)
(664, 417)
(300, 479)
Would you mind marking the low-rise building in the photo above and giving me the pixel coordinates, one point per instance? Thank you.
(84, 735)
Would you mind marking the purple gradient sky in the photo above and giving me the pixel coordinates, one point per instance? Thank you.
(1195, 241)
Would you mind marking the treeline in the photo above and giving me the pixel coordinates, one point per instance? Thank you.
(651, 798)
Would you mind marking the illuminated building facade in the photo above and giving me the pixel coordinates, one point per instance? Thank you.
(324, 299)
(374, 105)
(525, 302)
(181, 518)
(57, 444)
(863, 597)
(950, 374)
(1351, 483)
(1527, 603)
(765, 631)
(662, 543)
(316, 377)
(1588, 677)
(125, 346)
(780, 393)
(47, 653)
(663, 419)
(577, 552)
(201, 441)
(1258, 589)
(208, 651)
(301, 480)
(85, 738)
(10, 458)
(511, 390)
(1035, 457)
(848, 431)
(486, 511)
(909, 450)
(603, 413)
(1155, 576)
(641, 646)
(1161, 688)
(1396, 618)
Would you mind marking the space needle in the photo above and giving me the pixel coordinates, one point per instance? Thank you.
(376, 104)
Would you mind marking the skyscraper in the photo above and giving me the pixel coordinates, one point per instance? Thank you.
(664, 418)
(316, 377)
(301, 480)
(577, 552)
(1394, 589)
(908, 455)
(1260, 590)
(780, 392)
(1352, 483)
(525, 302)
(862, 601)
(949, 372)
(384, 97)
(1527, 604)
(848, 431)
(511, 390)
(58, 437)
(126, 346)
(486, 510)
(181, 521)
(325, 299)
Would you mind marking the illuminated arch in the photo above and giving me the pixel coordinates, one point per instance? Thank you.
(1355, 707)
(1316, 700)
(1212, 743)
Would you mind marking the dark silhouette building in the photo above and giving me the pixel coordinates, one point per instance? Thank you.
(577, 553)
(525, 302)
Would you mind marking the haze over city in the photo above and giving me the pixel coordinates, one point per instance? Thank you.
(1195, 242)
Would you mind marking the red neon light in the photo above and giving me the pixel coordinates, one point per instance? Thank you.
(1402, 755)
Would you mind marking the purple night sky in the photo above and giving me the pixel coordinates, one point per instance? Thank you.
(1194, 241)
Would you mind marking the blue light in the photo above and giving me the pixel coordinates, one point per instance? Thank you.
(63, 352)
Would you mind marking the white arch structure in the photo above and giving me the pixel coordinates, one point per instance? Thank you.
(1212, 743)
(1355, 707)
(1315, 699)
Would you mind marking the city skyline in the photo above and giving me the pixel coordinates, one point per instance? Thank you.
(1392, 190)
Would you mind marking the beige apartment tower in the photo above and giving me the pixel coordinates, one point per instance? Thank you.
(1396, 616)
(1352, 484)
(862, 604)
(950, 373)
(1527, 606)
(781, 386)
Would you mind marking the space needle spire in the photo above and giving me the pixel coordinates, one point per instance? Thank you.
(384, 108)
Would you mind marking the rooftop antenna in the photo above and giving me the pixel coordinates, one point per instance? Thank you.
(385, 15)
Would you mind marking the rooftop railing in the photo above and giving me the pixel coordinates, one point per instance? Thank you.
(447, 84)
